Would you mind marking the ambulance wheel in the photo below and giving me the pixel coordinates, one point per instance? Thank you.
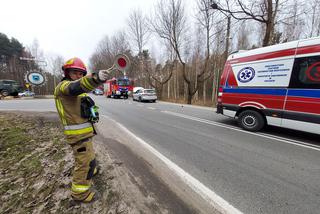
(251, 120)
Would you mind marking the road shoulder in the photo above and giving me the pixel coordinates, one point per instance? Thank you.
(152, 171)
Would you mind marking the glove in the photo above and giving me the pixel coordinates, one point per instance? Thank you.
(104, 74)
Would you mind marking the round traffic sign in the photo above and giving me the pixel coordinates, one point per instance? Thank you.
(35, 78)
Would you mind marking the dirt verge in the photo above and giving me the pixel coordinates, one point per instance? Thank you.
(36, 169)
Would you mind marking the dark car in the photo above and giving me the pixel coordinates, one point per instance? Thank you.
(9, 87)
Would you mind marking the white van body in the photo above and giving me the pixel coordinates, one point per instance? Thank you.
(277, 85)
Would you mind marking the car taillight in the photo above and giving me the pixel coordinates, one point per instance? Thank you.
(220, 91)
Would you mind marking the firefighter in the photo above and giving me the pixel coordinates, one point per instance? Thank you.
(78, 114)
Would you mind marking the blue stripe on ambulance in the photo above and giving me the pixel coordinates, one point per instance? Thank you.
(312, 93)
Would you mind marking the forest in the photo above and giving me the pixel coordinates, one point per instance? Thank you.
(177, 50)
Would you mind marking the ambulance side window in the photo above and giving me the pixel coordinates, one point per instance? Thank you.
(306, 73)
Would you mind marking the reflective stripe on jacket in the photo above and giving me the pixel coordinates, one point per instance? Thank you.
(67, 97)
(78, 129)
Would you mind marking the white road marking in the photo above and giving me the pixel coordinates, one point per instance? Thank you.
(282, 139)
(152, 108)
(207, 194)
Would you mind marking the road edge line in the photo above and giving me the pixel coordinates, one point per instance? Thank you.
(264, 135)
(207, 194)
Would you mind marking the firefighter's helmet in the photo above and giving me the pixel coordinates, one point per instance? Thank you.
(74, 64)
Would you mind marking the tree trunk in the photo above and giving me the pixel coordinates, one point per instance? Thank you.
(267, 35)
(168, 94)
(160, 90)
(177, 83)
(189, 95)
(269, 25)
(204, 91)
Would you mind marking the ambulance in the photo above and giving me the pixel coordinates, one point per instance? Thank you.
(277, 85)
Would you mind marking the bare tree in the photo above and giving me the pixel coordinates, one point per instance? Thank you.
(107, 49)
(169, 22)
(205, 19)
(138, 31)
(54, 67)
(217, 58)
(262, 11)
(120, 43)
(313, 18)
(36, 51)
(291, 23)
(160, 76)
(102, 56)
(243, 37)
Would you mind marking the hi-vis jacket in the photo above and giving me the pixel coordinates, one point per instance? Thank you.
(67, 97)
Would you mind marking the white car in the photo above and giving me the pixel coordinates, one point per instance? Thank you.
(97, 91)
(145, 95)
(135, 89)
(26, 94)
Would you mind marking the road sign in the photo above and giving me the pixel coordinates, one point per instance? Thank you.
(35, 78)
(38, 61)
(27, 58)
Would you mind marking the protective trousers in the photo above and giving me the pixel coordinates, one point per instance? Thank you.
(84, 169)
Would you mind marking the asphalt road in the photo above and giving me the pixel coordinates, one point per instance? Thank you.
(274, 171)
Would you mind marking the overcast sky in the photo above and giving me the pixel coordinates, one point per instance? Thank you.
(66, 27)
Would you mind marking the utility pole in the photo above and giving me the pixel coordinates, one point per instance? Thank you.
(226, 52)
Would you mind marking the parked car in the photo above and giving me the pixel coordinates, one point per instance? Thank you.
(9, 87)
(98, 91)
(145, 95)
(26, 94)
(135, 89)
